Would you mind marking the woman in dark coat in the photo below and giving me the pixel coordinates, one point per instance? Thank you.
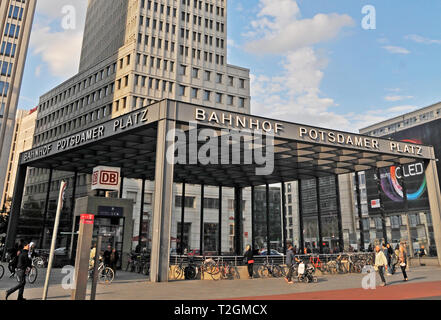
(249, 256)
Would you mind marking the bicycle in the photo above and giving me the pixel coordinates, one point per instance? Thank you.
(318, 264)
(30, 273)
(225, 271)
(270, 270)
(106, 275)
(176, 272)
(2, 271)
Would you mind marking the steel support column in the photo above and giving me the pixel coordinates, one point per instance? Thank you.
(339, 215)
(382, 211)
(72, 212)
(238, 221)
(121, 187)
(46, 208)
(219, 240)
(201, 225)
(300, 202)
(14, 214)
(253, 210)
(406, 210)
(433, 190)
(163, 200)
(141, 212)
(359, 211)
(268, 232)
(182, 247)
(319, 214)
(284, 224)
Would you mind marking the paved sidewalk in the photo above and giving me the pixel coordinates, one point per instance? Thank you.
(425, 282)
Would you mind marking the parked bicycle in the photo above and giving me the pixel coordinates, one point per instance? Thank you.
(106, 275)
(2, 271)
(267, 270)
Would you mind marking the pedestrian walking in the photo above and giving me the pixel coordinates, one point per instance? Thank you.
(380, 264)
(389, 257)
(290, 260)
(106, 256)
(24, 262)
(403, 261)
(114, 257)
(249, 257)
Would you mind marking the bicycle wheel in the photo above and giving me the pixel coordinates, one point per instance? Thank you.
(277, 272)
(263, 272)
(38, 262)
(32, 276)
(216, 274)
(2, 271)
(179, 272)
(106, 275)
(146, 269)
(235, 273)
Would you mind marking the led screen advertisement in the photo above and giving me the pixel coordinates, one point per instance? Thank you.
(391, 190)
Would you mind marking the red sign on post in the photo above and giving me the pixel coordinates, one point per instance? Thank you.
(87, 218)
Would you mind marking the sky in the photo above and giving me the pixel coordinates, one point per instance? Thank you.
(337, 64)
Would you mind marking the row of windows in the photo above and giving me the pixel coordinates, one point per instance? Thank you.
(15, 12)
(209, 23)
(168, 46)
(209, 8)
(93, 79)
(208, 56)
(5, 68)
(197, 37)
(165, 64)
(207, 95)
(4, 88)
(8, 49)
(219, 77)
(12, 30)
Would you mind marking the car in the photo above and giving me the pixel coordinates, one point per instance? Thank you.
(60, 251)
(272, 253)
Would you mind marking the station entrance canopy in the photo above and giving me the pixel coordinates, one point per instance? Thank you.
(139, 143)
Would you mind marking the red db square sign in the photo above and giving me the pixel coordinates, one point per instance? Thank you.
(87, 219)
(106, 178)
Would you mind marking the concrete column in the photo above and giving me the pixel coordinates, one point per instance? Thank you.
(359, 211)
(253, 210)
(319, 213)
(182, 248)
(141, 213)
(339, 215)
(17, 198)
(162, 209)
(201, 224)
(284, 224)
(220, 223)
(433, 190)
(300, 202)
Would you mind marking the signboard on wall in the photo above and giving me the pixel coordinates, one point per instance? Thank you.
(104, 211)
(106, 178)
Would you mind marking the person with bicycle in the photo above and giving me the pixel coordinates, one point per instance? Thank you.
(24, 263)
(290, 260)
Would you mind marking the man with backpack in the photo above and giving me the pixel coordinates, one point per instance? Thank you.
(290, 260)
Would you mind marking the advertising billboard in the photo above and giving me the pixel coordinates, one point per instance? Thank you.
(391, 190)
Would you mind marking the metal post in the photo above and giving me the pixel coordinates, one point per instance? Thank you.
(238, 221)
(201, 235)
(14, 214)
(182, 218)
(46, 208)
(162, 212)
(121, 187)
(95, 268)
(72, 212)
(268, 235)
(63, 186)
(141, 211)
(253, 211)
(433, 190)
(382, 211)
(340, 222)
(360, 214)
(284, 224)
(319, 214)
(220, 223)
(302, 237)
(406, 210)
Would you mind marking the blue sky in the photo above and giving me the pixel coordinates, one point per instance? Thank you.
(310, 60)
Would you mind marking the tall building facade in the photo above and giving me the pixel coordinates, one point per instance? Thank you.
(406, 218)
(16, 18)
(22, 139)
(134, 53)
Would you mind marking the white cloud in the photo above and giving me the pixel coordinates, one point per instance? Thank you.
(396, 50)
(58, 48)
(397, 98)
(419, 39)
(402, 109)
(279, 28)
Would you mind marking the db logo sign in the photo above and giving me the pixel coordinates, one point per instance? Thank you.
(106, 178)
